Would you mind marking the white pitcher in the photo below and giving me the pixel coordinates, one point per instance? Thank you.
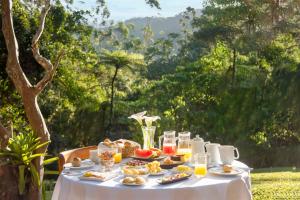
(213, 153)
(198, 145)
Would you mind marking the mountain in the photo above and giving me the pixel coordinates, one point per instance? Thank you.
(159, 25)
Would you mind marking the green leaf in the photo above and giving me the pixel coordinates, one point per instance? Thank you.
(21, 183)
(30, 158)
(50, 160)
(35, 175)
(51, 172)
(41, 145)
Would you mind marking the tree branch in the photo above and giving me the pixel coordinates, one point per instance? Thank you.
(49, 75)
(13, 67)
(45, 63)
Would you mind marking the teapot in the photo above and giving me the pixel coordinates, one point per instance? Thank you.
(198, 145)
(213, 153)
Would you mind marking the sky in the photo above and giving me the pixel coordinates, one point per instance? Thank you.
(121, 10)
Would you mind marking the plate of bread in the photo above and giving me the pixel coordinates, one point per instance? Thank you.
(225, 170)
(77, 163)
(133, 181)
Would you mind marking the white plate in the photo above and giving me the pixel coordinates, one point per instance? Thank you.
(131, 184)
(162, 172)
(106, 177)
(84, 165)
(220, 171)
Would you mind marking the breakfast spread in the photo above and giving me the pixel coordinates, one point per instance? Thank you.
(76, 162)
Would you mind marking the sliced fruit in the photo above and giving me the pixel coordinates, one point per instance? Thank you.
(156, 152)
(143, 153)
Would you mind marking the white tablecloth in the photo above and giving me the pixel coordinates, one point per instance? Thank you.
(211, 187)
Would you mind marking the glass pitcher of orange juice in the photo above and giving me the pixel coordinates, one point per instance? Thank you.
(184, 145)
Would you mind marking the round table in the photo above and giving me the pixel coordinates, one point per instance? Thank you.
(211, 187)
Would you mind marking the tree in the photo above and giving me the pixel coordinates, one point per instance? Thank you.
(29, 93)
(119, 60)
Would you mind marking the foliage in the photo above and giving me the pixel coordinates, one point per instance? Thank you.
(233, 77)
(20, 153)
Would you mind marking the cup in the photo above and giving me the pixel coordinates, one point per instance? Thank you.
(118, 156)
(200, 165)
(227, 154)
(94, 156)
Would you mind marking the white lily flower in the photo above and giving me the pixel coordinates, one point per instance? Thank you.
(150, 120)
(138, 117)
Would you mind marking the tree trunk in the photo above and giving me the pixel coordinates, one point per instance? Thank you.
(112, 97)
(28, 92)
(9, 183)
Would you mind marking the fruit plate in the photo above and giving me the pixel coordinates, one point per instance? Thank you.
(219, 171)
(170, 166)
(161, 182)
(148, 159)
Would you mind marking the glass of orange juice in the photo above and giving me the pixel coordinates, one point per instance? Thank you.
(200, 165)
(118, 156)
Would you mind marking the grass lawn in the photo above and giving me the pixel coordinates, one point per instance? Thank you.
(276, 184)
(267, 184)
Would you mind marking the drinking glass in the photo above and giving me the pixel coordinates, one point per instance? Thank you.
(106, 156)
(200, 165)
(118, 156)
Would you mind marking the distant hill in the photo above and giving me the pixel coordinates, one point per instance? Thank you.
(160, 26)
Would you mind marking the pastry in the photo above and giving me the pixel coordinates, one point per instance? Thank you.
(140, 180)
(133, 171)
(227, 168)
(168, 161)
(76, 162)
(128, 180)
(127, 147)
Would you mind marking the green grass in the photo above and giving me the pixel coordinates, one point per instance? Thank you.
(267, 184)
(276, 184)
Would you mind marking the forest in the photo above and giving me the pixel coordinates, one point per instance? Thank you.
(232, 76)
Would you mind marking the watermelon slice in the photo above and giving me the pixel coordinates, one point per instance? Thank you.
(143, 153)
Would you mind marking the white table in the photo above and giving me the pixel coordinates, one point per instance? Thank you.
(211, 187)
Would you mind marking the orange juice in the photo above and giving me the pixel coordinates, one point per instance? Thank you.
(118, 157)
(200, 170)
(187, 154)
